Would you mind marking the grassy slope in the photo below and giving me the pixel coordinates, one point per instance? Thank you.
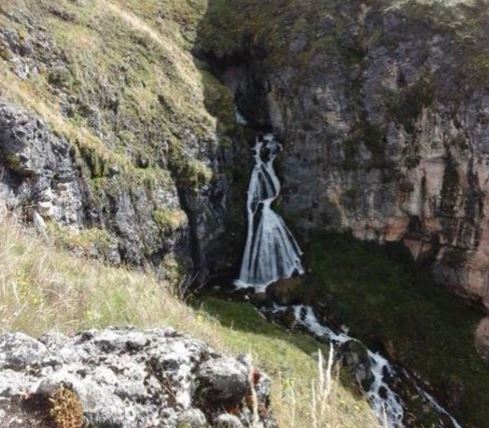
(44, 288)
(384, 297)
(125, 65)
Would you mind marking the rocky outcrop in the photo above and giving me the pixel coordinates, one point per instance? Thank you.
(44, 177)
(129, 379)
(383, 111)
(123, 147)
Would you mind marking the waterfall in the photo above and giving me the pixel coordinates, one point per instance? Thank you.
(271, 252)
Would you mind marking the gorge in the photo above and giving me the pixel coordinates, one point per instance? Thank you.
(271, 254)
(125, 136)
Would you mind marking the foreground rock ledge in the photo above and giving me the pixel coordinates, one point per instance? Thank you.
(129, 379)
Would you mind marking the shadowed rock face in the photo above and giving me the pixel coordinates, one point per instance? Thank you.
(482, 339)
(127, 378)
(383, 111)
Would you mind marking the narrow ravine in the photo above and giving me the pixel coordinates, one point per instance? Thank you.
(272, 253)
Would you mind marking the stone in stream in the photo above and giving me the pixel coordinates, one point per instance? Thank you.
(285, 291)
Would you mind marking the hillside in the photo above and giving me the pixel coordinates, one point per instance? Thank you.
(150, 133)
(47, 289)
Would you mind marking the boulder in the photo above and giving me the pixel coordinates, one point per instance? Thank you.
(223, 380)
(285, 291)
(123, 378)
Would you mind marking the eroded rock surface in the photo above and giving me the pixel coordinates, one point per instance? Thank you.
(129, 379)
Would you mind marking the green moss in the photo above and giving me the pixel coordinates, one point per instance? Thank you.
(349, 152)
(219, 102)
(60, 77)
(476, 69)
(169, 220)
(98, 166)
(449, 187)
(12, 161)
(383, 296)
(189, 171)
(86, 241)
(374, 139)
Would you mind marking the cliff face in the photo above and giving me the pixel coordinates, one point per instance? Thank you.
(383, 108)
(113, 137)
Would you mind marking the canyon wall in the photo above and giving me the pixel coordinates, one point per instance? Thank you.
(384, 109)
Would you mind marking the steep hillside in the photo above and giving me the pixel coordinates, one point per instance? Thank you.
(109, 126)
(124, 136)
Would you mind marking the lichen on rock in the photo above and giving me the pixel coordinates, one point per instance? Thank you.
(125, 378)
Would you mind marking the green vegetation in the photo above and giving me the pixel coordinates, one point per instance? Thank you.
(289, 357)
(450, 187)
(386, 299)
(89, 242)
(43, 288)
(134, 88)
(169, 220)
(406, 106)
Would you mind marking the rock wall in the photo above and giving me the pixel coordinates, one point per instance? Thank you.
(129, 379)
(383, 109)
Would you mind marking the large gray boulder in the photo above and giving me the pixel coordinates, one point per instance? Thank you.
(123, 378)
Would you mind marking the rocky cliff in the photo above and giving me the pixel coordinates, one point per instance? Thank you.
(114, 137)
(383, 109)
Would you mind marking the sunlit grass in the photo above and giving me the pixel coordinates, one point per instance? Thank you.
(43, 288)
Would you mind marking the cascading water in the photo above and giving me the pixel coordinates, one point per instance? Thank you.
(271, 252)
(386, 403)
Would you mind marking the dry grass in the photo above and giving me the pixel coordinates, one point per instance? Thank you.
(67, 410)
(44, 288)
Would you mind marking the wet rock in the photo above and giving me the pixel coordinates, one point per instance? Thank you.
(125, 378)
(356, 359)
(289, 318)
(285, 291)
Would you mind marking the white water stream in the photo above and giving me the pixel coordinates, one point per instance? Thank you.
(271, 252)
(386, 403)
